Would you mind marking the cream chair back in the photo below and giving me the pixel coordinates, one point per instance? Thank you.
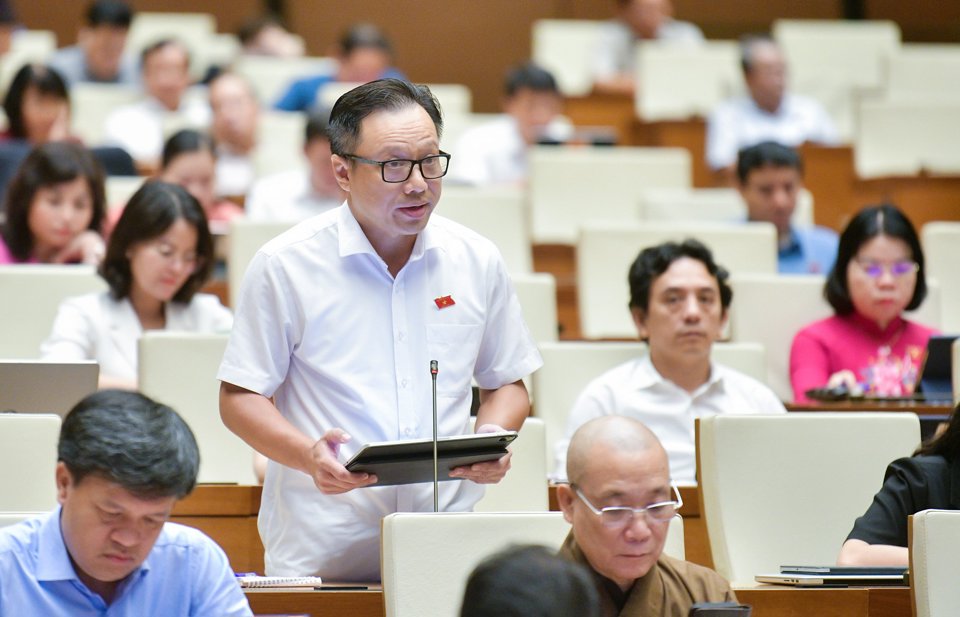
(495, 213)
(785, 489)
(28, 456)
(31, 296)
(907, 137)
(685, 81)
(246, 237)
(524, 489)
(934, 543)
(537, 293)
(941, 254)
(569, 186)
(569, 366)
(606, 250)
(426, 558)
(270, 77)
(179, 369)
(565, 48)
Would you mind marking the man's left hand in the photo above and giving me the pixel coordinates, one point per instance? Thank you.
(489, 472)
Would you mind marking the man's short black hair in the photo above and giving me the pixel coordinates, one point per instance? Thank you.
(655, 260)
(156, 46)
(529, 581)
(318, 126)
(380, 95)
(870, 222)
(530, 76)
(127, 438)
(767, 154)
(364, 36)
(109, 13)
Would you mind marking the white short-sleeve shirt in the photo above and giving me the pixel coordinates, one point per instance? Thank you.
(635, 389)
(739, 123)
(324, 328)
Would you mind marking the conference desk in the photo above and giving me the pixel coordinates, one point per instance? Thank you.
(766, 600)
(228, 514)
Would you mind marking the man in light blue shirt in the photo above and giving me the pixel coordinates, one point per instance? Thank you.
(107, 549)
(769, 177)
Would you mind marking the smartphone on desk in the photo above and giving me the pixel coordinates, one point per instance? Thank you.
(719, 609)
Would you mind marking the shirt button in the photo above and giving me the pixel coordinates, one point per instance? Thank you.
(407, 432)
(403, 383)
(401, 336)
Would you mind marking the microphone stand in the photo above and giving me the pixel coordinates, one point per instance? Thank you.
(436, 484)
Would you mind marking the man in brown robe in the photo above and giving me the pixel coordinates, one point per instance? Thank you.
(619, 502)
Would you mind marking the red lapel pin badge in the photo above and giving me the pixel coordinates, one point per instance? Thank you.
(443, 302)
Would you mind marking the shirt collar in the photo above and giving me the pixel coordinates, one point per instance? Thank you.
(645, 376)
(53, 561)
(353, 241)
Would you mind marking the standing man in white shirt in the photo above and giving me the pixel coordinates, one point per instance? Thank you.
(138, 128)
(637, 20)
(337, 323)
(679, 298)
(768, 113)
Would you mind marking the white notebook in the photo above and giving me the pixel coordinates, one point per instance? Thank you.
(279, 581)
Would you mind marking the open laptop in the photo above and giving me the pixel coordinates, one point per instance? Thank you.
(836, 576)
(40, 386)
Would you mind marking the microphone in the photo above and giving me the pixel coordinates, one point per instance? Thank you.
(436, 483)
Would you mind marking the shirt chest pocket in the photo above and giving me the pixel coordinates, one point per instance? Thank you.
(455, 347)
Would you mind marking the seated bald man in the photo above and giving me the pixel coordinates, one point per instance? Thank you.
(620, 501)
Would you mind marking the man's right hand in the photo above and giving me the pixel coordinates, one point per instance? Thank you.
(330, 476)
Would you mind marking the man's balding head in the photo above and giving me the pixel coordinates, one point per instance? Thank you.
(616, 461)
(618, 434)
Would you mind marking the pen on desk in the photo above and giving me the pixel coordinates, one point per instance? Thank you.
(341, 588)
(242, 574)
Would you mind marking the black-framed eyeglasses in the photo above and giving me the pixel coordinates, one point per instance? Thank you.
(399, 170)
(619, 516)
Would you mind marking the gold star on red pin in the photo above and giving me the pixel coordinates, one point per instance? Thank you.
(444, 301)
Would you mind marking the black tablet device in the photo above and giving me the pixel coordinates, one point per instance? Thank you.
(411, 461)
(936, 379)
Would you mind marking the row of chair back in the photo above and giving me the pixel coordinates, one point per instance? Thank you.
(785, 489)
(570, 365)
(427, 558)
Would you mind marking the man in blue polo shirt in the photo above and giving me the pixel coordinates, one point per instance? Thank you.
(364, 55)
(769, 177)
(107, 549)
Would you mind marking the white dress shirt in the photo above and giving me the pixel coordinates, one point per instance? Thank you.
(635, 389)
(494, 153)
(739, 123)
(94, 326)
(139, 127)
(325, 329)
(286, 196)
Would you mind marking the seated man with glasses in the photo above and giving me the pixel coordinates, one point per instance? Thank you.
(619, 501)
(337, 324)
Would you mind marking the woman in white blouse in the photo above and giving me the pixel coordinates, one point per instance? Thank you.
(158, 257)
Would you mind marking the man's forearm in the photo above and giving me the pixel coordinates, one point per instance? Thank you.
(507, 406)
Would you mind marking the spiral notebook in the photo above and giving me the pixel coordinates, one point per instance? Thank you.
(279, 581)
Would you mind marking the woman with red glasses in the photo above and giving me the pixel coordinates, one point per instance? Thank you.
(867, 345)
